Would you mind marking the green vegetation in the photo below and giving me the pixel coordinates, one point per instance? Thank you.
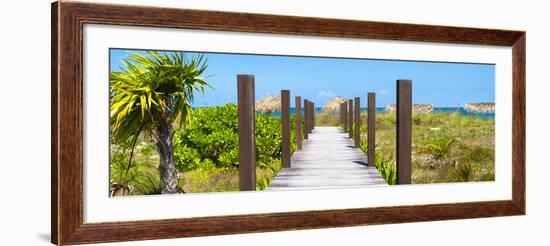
(206, 154)
(148, 97)
(447, 147)
(439, 149)
(326, 119)
(161, 145)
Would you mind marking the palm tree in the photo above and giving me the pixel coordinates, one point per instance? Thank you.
(152, 94)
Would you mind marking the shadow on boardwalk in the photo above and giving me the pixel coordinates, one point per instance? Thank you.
(327, 160)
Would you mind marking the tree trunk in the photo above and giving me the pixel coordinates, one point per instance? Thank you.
(167, 167)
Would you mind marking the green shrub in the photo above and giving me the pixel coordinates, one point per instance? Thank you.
(464, 172)
(387, 168)
(439, 148)
(453, 138)
(327, 119)
(262, 183)
(212, 134)
(477, 153)
(211, 142)
(268, 138)
(147, 184)
(186, 158)
(489, 176)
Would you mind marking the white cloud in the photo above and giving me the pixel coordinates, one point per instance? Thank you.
(326, 94)
(382, 92)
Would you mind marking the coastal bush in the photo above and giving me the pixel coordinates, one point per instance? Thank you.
(464, 172)
(124, 174)
(210, 143)
(439, 148)
(206, 153)
(387, 168)
(147, 184)
(385, 165)
(148, 96)
(447, 147)
(327, 119)
(476, 153)
(213, 135)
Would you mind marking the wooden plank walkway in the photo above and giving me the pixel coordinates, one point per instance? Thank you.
(327, 160)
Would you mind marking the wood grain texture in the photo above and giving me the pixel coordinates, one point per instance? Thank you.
(219, 225)
(68, 19)
(285, 123)
(247, 128)
(403, 135)
(306, 119)
(54, 124)
(293, 25)
(67, 164)
(346, 121)
(313, 122)
(311, 116)
(350, 118)
(371, 129)
(298, 106)
(341, 114)
(357, 112)
(328, 160)
(518, 123)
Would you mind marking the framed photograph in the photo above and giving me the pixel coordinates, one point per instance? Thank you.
(176, 123)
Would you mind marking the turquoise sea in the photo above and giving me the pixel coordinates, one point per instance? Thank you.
(435, 109)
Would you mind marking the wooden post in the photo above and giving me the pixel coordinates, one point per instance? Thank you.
(357, 122)
(339, 113)
(313, 116)
(298, 115)
(341, 118)
(350, 118)
(246, 128)
(285, 122)
(309, 117)
(306, 119)
(345, 114)
(371, 130)
(404, 131)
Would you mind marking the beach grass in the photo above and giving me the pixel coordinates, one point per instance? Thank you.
(447, 147)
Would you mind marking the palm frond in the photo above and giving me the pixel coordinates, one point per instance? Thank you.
(153, 86)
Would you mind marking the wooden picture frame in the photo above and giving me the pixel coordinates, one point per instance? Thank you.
(68, 19)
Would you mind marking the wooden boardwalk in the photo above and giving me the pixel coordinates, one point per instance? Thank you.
(327, 160)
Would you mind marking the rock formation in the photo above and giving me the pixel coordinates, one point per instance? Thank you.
(416, 108)
(483, 107)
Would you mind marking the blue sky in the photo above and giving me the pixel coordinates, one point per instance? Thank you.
(319, 79)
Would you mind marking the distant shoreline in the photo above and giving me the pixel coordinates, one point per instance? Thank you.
(460, 110)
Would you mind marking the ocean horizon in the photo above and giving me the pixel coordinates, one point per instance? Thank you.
(460, 110)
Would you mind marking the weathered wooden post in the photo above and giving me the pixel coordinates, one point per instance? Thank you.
(346, 116)
(309, 117)
(306, 119)
(371, 129)
(246, 128)
(298, 116)
(350, 118)
(357, 122)
(313, 116)
(404, 131)
(341, 114)
(285, 122)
